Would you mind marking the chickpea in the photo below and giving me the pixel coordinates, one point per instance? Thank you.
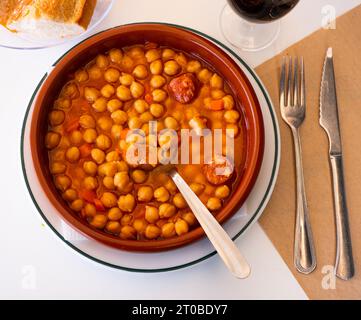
(189, 218)
(156, 110)
(108, 199)
(228, 102)
(98, 155)
(161, 194)
(214, 203)
(139, 225)
(95, 73)
(81, 75)
(181, 59)
(145, 118)
(57, 167)
(194, 66)
(99, 221)
(157, 81)
(90, 135)
(204, 75)
(222, 192)
(58, 155)
(232, 130)
(116, 131)
(181, 227)
(108, 182)
(116, 55)
(101, 61)
(171, 123)
(136, 89)
(119, 117)
(168, 230)
(114, 104)
(56, 117)
(52, 139)
(217, 94)
(156, 67)
(91, 94)
(100, 104)
(122, 166)
(179, 201)
(86, 121)
(126, 203)
(123, 93)
(171, 186)
(140, 72)
(112, 156)
(90, 210)
(90, 168)
(231, 116)
(216, 82)
(139, 176)
(103, 142)
(121, 180)
(164, 139)
(167, 210)
(107, 91)
(76, 137)
(171, 68)
(70, 90)
(145, 127)
(126, 79)
(127, 232)
(126, 220)
(77, 205)
(168, 54)
(108, 169)
(134, 123)
(159, 95)
(70, 195)
(197, 188)
(113, 227)
(152, 55)
(127, 63)
(152, 232)
(90, 183)
(105, 123)
(136, 52)
(151, 214)
(140, 105)
(62, 182)
(114, 214)
(72, 154)
(62, 103)
(111, 75)
(145, 193)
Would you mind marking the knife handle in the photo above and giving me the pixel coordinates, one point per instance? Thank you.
(344, 260)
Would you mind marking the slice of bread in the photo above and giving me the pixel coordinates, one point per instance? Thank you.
(52, 18)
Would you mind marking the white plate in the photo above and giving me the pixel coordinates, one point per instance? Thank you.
(184, 256)
(13, 40)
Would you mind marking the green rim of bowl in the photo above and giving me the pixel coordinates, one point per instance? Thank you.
(188, 264)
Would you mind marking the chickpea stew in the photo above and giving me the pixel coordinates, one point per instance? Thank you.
(87, 139)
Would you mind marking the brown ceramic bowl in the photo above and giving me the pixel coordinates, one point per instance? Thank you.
(166, 36)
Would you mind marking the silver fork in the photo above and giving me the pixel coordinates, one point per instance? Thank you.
(293, 108)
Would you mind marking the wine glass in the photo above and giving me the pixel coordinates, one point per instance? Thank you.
(253, 25)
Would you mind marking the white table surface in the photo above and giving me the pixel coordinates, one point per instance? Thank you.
(36, 264)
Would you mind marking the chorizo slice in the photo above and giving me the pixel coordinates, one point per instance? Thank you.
(218, 171)
(184, 88)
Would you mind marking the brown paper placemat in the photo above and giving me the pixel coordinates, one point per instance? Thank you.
(279, 218)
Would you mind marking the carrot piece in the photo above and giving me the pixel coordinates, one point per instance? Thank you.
(217, 105)
(72, 125)
(85, 150)
(88, 195)
(148, 98)
(123, 133)
(99, 205)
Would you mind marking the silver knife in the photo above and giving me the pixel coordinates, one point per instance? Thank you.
(344, 264)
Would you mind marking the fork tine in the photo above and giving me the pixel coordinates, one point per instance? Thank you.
(283, 83)
(303, 85)
(289, 86)
(295, 83)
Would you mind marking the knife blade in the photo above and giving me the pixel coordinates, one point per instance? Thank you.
(329, 120)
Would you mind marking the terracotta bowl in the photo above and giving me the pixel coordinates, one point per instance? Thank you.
(165, 36)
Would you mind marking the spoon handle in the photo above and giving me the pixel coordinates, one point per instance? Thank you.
(221, 241)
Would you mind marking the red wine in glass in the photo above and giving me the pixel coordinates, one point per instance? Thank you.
(259, 11)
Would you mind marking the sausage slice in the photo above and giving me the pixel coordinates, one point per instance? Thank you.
(184, 88)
